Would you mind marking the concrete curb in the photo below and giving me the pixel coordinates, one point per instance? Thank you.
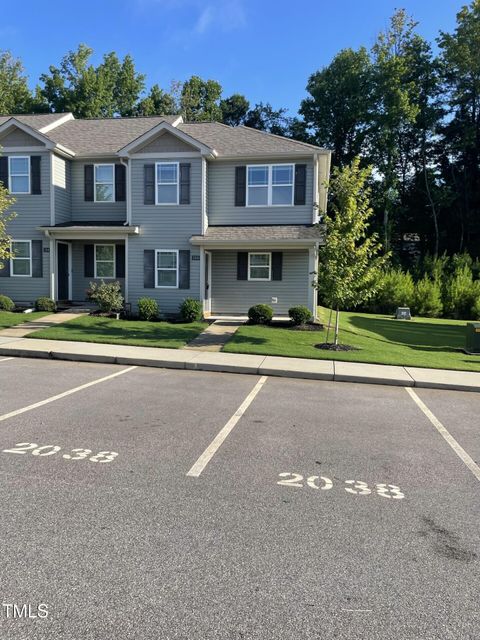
(337, 371)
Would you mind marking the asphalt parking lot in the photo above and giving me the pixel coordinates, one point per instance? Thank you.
(160, 504)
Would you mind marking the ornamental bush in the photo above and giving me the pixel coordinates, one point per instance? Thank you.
(45, 304)
(6, 303)
(260, 314)
(108, 296)
(427, 298)
(458, 293)
(191, 310)
(148, 309)
(300, 315)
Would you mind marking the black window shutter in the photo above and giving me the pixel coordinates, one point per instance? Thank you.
(5, 270)
(37, 259)
(184, 183)
(120, 261)
(88, 183)
(35, 179)
(149, 183)
(184, 269)
(149, 269)
(4, 171)
(120, 181)
(242, 265)
(277, 263)
(300, 184)
(240, 186)
(88, 259)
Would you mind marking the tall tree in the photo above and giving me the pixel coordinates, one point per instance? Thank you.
(199, 100)
(157, 102)
(336, 114)
(110, 89)
(349, 262)
(265, 118)
(461, 133)
(15, 96)
(234, 109)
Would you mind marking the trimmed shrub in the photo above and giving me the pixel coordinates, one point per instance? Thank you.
(260, 314)
(191, 310)
(108, 296)
(428, 298)
(458, 293)
(45, 304)
(6, 303)
(396, 289)
(148, 309)
(300, 315)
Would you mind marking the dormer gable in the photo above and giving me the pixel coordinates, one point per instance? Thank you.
(166, 138)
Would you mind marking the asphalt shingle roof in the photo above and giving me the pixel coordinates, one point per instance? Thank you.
(249, 233)
(36, 121)
(105, 136)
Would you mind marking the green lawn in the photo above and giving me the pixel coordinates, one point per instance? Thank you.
(144, 334)
(421, 342)
(9, 319)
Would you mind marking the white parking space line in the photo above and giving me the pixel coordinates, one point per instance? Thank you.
(460, 451)
(210, 451)
(5, 359)
(59, 396)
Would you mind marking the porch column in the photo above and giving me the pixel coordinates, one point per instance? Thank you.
(202, 278)
(312, 273)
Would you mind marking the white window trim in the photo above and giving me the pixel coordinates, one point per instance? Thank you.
(163, 286)
(260, 253)
(20, 275)
(104, 244)
(167, 204)
(270, 185)
(20, 193)
(95, 182)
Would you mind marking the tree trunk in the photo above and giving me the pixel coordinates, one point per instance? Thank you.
(328, 325)
(336, 326)
(432, 203)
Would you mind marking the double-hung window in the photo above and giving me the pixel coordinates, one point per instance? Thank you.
(21, 260)
(270, 185)
(166, 268)
(104, 261)
(19, 174)
(166, 183)
(259, 266)
(104, 183)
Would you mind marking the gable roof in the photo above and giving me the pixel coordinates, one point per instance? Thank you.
(109, 136)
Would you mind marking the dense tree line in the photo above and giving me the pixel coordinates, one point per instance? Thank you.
(411, 113)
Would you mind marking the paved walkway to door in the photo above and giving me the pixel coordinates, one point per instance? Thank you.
(214, 336)
(21, 330)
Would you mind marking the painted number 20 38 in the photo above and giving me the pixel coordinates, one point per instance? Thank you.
(51, 449)
(356, 487)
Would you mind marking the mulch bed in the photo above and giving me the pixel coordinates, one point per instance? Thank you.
(330, 346)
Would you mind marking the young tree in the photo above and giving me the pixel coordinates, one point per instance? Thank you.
(15, 96)
(6, 215)
(350, 262)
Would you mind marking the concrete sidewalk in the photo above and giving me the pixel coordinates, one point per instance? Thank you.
(241, 363)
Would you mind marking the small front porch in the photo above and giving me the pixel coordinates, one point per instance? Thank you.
(81, 254)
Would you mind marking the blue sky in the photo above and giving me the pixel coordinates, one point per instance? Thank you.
(265, 49)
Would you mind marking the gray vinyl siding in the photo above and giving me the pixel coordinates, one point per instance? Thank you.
(80, 283)
(32, 212)
(232, 296)
(221, 201)
(18, 138)
(91, 211)
(164, 227)
(62, 183)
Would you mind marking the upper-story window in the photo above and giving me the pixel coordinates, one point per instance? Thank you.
(21, 261)
(19, 174)
(104, 183)
(166, 183)
(270, 185)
